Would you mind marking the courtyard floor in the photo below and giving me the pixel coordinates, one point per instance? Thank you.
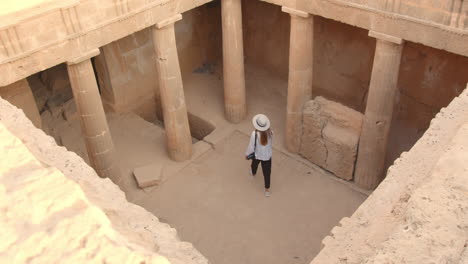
(212, 200)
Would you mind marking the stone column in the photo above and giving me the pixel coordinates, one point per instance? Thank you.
(378, 116)
(300, 74)
(235, 107)
(179, 140)
(96, 133)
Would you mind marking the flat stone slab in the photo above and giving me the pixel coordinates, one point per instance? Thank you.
(149, 175)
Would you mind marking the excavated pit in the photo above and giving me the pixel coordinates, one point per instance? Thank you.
(211, 200)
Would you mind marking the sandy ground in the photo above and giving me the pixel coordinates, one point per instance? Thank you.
(211, 200)
(215, 204)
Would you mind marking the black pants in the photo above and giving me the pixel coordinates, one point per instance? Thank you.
(266, 168)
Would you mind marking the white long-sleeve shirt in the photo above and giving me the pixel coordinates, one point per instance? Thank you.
(261, 152)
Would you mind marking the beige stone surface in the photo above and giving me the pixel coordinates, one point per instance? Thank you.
(149, 175)
(60, 30)
(127, 73)
(20, 95)
(59, 210)
(383, 88)
(12, 7)
(235, 107)
(418, 214)
(55, 33)
(300, 75)
(343, 54)
(264, 47)
(171, 90)
(96, 134)
(191, 196)
(432, 23)
(330, 136)
(215, 204)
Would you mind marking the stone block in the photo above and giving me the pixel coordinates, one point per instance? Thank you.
(56, 78)
(330, 136)
(57, 82)
(70, 112)
(20, 95)
(148, 175)
(40, 92)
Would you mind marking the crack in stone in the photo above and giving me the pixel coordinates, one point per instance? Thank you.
(302, 130)
(324, 143)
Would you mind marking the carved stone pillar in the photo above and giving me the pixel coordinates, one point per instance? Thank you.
(233, 61)
(378, 116)
(300, 74)
(179, 140)
(96, 132)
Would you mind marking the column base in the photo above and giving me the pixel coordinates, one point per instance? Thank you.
(293, 132)
(178, 155)
(235, 113)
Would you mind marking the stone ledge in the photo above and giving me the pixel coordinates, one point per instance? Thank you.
(84, 56)
(295, 12)
(169, 21)
(385, 37)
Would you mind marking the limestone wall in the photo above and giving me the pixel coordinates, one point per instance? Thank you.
(419, 213)
(127, 71)
(20, 95)
(57, 210)
(199, 38)
(343, 57)
(266, 36)
(40, 36)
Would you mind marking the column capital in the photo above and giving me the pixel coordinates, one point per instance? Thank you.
(168, 21)
(295, 12)
(385, 37)
(84, 56)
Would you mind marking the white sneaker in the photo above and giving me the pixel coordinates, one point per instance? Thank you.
(267, 193)
(251, 174)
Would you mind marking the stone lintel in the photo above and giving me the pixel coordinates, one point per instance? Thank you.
(385, 37)
(83, 57)
(295, 12)
(169, 21)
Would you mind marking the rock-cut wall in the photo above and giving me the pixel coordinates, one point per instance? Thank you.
(55, 209)
(343, 55)
(126, 69)
(419, 213)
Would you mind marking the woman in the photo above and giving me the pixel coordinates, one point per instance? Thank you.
(261, 141)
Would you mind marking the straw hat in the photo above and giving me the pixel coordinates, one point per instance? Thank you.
(261, 122)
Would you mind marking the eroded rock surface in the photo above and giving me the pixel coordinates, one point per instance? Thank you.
(419, 213)
(57, 210)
